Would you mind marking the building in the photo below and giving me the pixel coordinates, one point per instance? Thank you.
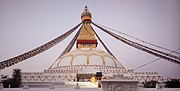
(82, 63)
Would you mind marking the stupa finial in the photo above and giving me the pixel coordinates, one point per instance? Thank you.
(86, 15)
(86, 9)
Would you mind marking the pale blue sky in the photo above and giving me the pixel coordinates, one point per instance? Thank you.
(26, 24)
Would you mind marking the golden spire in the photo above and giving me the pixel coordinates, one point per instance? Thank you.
(86, 38)
(86, 15)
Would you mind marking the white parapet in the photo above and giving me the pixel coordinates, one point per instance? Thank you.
(119, 83)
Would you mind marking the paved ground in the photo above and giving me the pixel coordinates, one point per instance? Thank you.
(83, 89)
(47, 89)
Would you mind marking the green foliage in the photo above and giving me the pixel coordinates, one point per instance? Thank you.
(15, 81)
(173, 83)
(7, 82)
(150, 84)
(16, 78)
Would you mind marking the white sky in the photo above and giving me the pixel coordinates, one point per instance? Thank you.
(27, 24)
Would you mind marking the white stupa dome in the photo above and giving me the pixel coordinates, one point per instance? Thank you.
(87, 56)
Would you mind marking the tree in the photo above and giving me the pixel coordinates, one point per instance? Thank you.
(172, 83)
(7, 82)
(150, 84)
(16, 78)
(15, 81)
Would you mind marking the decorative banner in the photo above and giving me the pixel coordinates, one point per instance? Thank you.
(49, 78)
(166, 56)
(68, 48)
(37, 50)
